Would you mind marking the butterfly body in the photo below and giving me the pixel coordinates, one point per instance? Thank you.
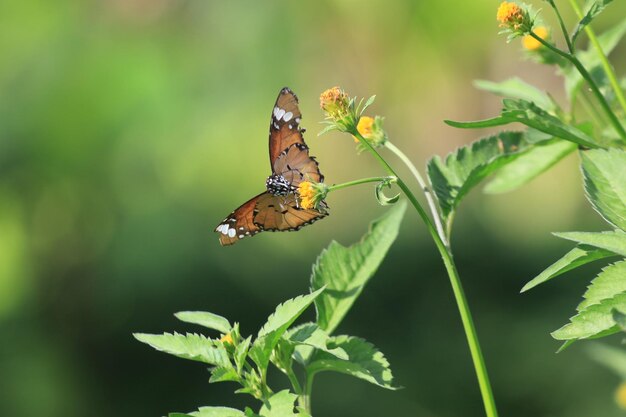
(278, 208)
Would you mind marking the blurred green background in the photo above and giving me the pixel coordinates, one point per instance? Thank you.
(129, 128)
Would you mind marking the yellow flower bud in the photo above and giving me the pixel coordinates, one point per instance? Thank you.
(532, 44)
(311, 194)
(227, 338)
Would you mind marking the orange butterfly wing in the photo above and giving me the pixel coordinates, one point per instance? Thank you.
(240, 223)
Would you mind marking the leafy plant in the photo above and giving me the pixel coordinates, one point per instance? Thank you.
(512, 158)
(339, 275)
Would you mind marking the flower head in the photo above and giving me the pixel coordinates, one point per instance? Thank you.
(311, 194)
(371, 128)
(227, 338)
(334, 101)
(515, 20)
(532, 44)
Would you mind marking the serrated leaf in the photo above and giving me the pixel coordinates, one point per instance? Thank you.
(594, 320)
(534, 116)
(580, 255)
(609, 282)
(309, 335)
(614, 241)
(365, 362)
(241, 352)
(223, 374)
(189, 346)
(276, 325)
(217, 412)
(517, 88)
(605, 183)
(205, 319)
(594, 9)
(591, 60)
(452, 178)
(281, 404)
(611, 357)
(345, 270)
(528, 166)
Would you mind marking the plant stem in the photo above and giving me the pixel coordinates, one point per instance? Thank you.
(432, 204)
(619, 93)
(294, 381)
(570, 46)
(306, 396)
(455, 281)
(357, 182)
(594, 88)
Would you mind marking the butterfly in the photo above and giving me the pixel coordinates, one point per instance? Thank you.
(278, 208)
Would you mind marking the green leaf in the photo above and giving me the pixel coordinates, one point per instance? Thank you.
(223, 373)
(206, 319)
(591, 60)
(611, 357)
(605, 183)
(595, 9)
(241, 352)
(614, 241)
(528, 166)
(276, 325)
(479, 124)
(454, 177)
(610, 282)
(580, 255)
(620, 319)
(217, 412)
(345, 270)
(594, 320)
(280, 404)
(365, 362)
(189, 346)
(534, 116)
(308, 336)
(517, 88)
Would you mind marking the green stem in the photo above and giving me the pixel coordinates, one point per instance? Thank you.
(594, 88)
(357, 182)
(432, 204)
(606, 65)
(570, 46)
(455, 281)
(294, 381)
(306, 397)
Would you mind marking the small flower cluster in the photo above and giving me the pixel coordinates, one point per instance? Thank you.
(311, 194)
(346, 115)
(515, 20)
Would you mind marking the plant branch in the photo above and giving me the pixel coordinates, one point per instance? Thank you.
(606, 65)
(570, 46)
(594, 88)
(359, 181)
(455, 281)
(432, 203)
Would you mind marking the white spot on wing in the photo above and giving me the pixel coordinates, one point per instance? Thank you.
(287, 117)
(241, 236)
(279, 114)
(231, 232)
(225, 230)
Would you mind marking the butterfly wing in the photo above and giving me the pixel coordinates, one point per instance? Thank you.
(282, 213)
(285, 124)
(240, 223)
(296, 165)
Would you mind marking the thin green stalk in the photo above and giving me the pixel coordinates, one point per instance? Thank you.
(306, 396)
(357, 182)
(592, 110)
(570, 46)
(294, 381)
(606, 65)
(455, 281)
(432, 204)
(594, 88)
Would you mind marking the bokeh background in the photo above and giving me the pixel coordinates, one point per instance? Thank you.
(129, 128)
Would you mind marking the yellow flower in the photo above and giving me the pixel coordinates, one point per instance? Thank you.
(311, 194)
(334, 100)
(530, 43)
(364, 127)
(620, 396)
(509, 14)
(227, 338)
